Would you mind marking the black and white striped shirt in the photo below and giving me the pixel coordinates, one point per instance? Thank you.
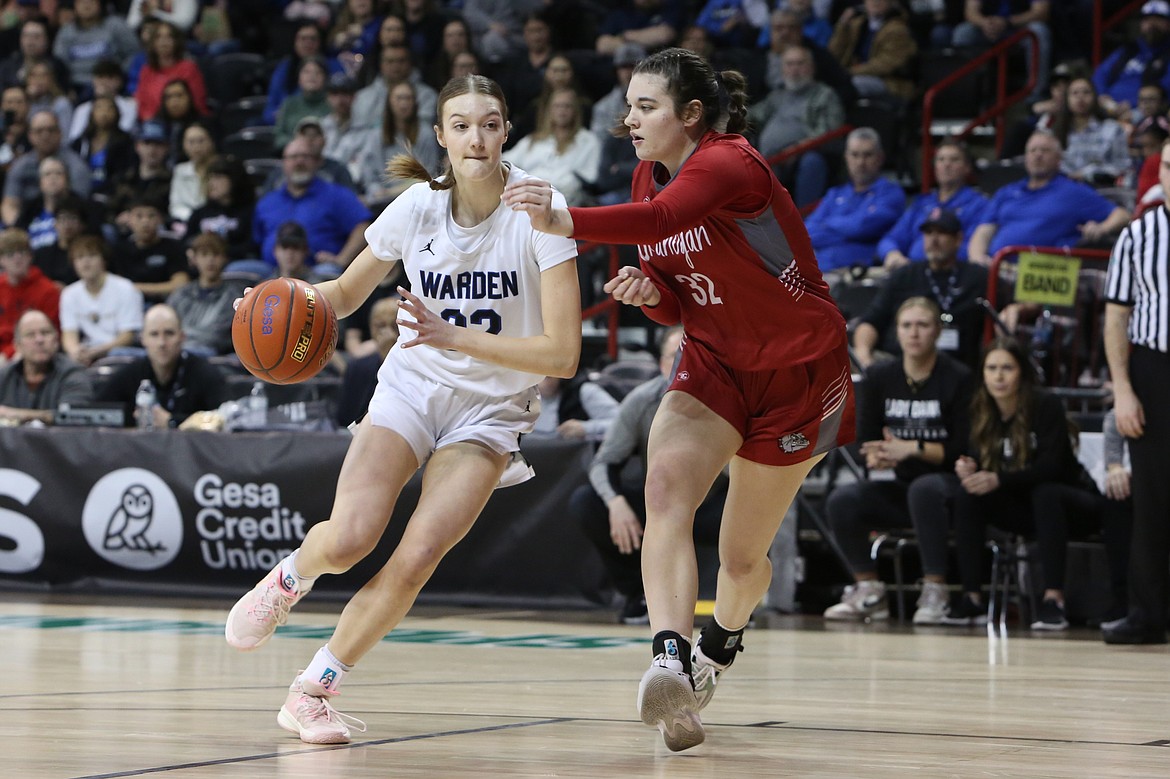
(1139, 277)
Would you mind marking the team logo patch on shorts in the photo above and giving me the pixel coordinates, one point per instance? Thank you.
(793, 442)
(683, 375)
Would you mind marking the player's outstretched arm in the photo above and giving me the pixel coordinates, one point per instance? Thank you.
(534, 197)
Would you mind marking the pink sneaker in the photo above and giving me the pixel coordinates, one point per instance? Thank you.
(313, 719)
(255, 616)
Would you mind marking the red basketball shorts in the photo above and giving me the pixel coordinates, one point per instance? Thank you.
(785, 415)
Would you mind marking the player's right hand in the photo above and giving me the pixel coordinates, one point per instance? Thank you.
(236, 303)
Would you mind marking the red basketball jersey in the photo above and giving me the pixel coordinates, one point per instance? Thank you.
(725, 245)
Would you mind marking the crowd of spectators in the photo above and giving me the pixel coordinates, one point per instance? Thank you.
(127, 183)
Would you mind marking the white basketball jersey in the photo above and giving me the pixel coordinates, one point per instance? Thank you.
(486, 277)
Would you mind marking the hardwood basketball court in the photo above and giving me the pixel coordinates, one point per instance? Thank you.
(115, 688)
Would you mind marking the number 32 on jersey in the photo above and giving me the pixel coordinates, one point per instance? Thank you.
(702, 288)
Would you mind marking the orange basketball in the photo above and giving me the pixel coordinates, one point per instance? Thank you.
(284, 331)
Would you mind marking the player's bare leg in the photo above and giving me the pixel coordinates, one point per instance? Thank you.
(689, 445)
(457, 483)
(443, 516)
(757, 501)
(376, 467)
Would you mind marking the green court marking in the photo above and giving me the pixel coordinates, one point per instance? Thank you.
(188, 627)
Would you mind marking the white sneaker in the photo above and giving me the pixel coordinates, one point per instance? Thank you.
(706, 673)
(256, 616)
(313, 719)
(861, 602)
(666, 700)
(932, 604)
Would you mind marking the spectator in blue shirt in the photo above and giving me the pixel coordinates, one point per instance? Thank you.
(733, 22)
(846, 226)
(952, 167)
(1138, 62)
(283, 83)
(812, 27)
(333, 217)
(1045, 209)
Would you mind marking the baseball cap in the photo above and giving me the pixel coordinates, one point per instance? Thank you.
(339, 82)
(628, 54)
(942, 219)
(308, 121)
(1062, 72)
(152, 132)
(291, 234)
(1156, 8)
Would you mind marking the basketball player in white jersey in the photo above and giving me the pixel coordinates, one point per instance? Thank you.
(495, 306)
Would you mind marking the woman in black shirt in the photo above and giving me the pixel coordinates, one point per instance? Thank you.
(1022, 475)
(912, 422)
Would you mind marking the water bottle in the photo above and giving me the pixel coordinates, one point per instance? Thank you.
(144, 402)
(258, 406)
(1042, 333)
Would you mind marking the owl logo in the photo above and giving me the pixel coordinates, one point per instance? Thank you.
(130, 521)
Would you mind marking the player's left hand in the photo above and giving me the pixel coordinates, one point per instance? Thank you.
(633, 287)
(430, 328)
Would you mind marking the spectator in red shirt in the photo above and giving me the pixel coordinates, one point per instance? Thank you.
(167, 60)
(23, 287)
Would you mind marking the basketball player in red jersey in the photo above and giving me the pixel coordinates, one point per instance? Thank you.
(763, 380)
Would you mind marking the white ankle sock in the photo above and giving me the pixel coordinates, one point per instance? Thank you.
(326, 670)
(729, 630)
(290, 575)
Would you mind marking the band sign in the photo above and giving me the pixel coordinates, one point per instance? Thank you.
(1049, 279)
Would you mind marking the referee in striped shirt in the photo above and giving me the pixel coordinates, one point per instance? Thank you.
(1137, 331)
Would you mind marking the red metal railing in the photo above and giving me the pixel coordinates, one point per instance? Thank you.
(1003, 101)
(1101, 23)
(610, 307)
(800, 148)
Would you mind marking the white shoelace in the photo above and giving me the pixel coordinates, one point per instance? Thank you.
(273, 601)
(310, 707)
(705, 670)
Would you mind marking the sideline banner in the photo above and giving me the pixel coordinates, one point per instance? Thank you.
(1048, 279)
(213, 512)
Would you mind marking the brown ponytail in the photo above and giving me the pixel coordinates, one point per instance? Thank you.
(407, 166)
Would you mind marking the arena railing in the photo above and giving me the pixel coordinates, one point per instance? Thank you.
(800, 148)
(998, 110)
(609, 307)
(1103, 23)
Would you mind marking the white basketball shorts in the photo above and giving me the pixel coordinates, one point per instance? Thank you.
(429, 416)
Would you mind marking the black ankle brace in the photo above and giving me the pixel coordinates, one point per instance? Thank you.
(719, 643)
(674, 646)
